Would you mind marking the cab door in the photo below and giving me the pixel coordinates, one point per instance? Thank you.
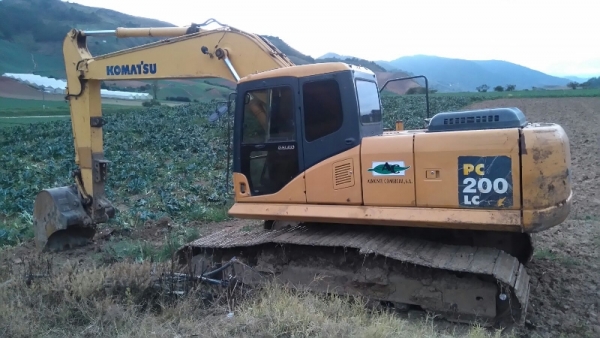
(266, 137)
(331, 139)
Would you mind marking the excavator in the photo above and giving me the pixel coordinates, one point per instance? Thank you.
(438, 218)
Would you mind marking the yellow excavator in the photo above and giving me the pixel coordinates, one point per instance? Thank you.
(439, 218)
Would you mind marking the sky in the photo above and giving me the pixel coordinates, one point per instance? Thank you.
(551, 36)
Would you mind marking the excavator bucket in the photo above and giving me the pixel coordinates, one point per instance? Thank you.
(60, 221)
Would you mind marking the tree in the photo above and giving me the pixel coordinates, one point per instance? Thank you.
(573, 85)
(510, 88)
(499, 89)
(419, 90)
(593, 82)
(483, 88)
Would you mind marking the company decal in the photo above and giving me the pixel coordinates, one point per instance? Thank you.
(133, 69)
(389, 168)
(485, 182)
(288, 147)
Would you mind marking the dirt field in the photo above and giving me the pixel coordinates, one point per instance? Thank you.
(565, 271)
(13, 89)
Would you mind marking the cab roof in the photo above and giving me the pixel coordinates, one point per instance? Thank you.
(305, 70)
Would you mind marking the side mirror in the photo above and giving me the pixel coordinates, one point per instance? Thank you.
(222, 108)
(409, 78)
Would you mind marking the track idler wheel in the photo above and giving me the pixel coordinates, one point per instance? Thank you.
(60, 221)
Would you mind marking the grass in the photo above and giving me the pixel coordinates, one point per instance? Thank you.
(551, 255)
(9, 107)
(22, 107)
(21, 112)
(128, 299)
(201, 90)
(18, 112)
(122, 248)
(8, 122)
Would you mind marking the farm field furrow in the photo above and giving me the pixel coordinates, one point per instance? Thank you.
(565, 271)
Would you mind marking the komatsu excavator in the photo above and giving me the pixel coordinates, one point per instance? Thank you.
(439, 217)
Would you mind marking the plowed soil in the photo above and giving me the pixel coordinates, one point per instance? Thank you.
(13, 89)
(16, 90)
(565, 271)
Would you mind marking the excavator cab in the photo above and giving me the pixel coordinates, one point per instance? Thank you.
(287, 124)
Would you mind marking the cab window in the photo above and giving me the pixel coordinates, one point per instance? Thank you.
(323, 114)
(368, 102)
(268, 116)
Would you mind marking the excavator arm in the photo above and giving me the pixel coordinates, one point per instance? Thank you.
(66, 216)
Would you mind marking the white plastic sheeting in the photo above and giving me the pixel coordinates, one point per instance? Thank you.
(50, 85)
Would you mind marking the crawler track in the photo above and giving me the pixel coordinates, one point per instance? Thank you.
(459, 282)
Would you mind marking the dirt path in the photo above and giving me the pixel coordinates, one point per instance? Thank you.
(565, 271)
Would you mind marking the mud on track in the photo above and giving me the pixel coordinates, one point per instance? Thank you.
(565, 271)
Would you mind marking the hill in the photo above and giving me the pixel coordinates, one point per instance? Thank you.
(334, 56)
(577, 78)
(457, 75)
(32, 31)
(591, 83)
(381, 73)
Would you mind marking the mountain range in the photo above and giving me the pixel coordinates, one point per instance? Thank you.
(31, 34)
(459, 75)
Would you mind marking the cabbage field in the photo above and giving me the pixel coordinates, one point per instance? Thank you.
(165, 161)
(168, 181)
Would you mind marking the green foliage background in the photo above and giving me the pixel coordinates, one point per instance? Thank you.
(166, 161)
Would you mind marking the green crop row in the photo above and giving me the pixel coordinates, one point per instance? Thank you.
(165, 161)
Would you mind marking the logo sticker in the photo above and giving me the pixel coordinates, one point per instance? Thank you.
(141, 68)
(391, 168)
(485, 182)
